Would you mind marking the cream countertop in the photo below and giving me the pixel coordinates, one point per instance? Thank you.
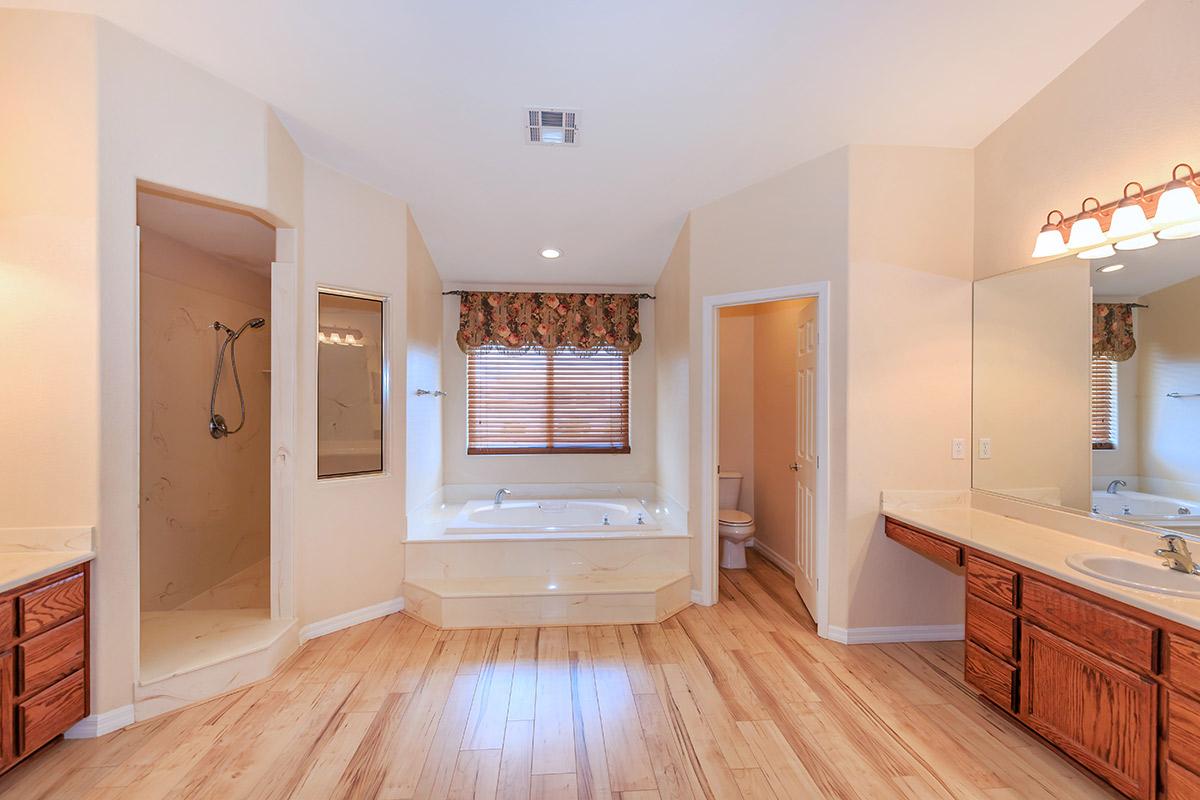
(1044, 550)
(27, 554)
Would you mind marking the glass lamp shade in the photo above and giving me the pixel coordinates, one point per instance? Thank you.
(1177, 204)
(1049, 243)
(1185, 231)
(1128, 220)
(1085, 232)
(1103, 251)
(1137, 242)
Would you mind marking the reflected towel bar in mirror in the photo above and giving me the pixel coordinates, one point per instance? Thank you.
(433, 393)
(1178, 395)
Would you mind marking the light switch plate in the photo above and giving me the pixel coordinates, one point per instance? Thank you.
(958, 449)
(985, 448)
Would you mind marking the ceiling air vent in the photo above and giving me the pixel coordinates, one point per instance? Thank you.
(552, 126)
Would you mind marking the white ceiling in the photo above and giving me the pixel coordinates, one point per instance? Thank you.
(1166, 264)
(227, 234)
(682, 101)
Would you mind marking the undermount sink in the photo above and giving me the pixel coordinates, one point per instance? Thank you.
(1136, 572)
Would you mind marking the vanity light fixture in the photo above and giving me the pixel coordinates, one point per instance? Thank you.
(551, 253)
(1137, 242)
(1086, 231)
(1185, 231)
(347, 337)
(1050, 240)
(1178, 202)
(1103, 251)
(1129, 219)
(1111, 268)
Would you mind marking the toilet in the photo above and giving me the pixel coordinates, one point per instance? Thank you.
(736, 528)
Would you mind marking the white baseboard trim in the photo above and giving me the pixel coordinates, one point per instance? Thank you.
(697, 597)
(355, 617)
(774, 558)
(913, 633)
(101, 724)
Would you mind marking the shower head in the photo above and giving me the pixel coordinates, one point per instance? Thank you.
(257, 322)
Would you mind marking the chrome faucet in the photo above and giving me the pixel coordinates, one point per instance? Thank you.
(1177, 555)
(1112, 486)
(500, 497)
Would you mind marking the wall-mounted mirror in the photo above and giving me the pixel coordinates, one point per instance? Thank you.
(1087, 384)
(351, 384)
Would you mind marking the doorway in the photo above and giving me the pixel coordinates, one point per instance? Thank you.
(764, 413)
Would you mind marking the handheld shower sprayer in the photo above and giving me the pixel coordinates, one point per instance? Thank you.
(216, 423)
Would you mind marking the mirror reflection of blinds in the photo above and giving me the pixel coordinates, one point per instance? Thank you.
(547, 401)
(1104, 404)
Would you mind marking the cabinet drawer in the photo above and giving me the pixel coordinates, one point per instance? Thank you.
(991, 582)
(995, 680)
(1183, 730)
(50, 712)
(1115, 636)
(1183, 663)
(923, 543)
(49, 656)
(46, 607)
(1181, 783)
(993, 628)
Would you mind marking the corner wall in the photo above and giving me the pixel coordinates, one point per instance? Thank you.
(424, 419)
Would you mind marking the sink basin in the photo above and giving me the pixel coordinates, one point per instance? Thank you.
(1136, 572)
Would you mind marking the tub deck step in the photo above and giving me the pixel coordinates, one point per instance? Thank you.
(539, 600)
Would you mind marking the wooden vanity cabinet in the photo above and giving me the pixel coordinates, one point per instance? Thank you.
(1112, 687)
(43, 661)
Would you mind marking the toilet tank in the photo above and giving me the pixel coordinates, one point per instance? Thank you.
(729, 488)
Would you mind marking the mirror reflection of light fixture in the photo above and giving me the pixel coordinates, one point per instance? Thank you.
(1111, 268)
(1050, 240)
(1129, 219)
(1178, 201)
(346, 337)
(1103, 251)
(1185, 231)
(1085, 231)
(1137, 242)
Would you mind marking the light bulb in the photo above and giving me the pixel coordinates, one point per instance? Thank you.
(1128, 220)
(1103, 251)
(1085, 232)
(551, 253)
(1049, 243)
(1137, 242)
(1177, 204)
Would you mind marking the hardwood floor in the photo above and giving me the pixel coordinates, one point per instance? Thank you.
(740, 700)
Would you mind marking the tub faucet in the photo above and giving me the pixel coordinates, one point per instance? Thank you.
(1112, 485)
(500, 497)
(1176, 553)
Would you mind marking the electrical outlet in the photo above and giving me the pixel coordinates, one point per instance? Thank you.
(958, 449)
(985, 448)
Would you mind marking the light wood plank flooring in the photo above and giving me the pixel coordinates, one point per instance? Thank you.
(741, 700)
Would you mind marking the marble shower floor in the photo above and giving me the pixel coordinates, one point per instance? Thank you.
(176, 642)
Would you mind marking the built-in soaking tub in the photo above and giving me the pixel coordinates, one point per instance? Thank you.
(1147, 509)
(553, 516)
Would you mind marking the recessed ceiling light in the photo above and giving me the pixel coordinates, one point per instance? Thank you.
(1111, 268)
(551, 252)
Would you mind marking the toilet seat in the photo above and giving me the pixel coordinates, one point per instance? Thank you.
(733, 517)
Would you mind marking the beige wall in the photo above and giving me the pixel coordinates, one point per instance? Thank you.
(48, 284)
(636, 466)
(672, 355)
(424, 418)
(1119, 113)
(350, 531)
(205, 508)
(1031, 383)
(1169, 361)
(735, 371)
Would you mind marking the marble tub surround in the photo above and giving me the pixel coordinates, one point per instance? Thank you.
(27, 554)
(557, 557)
(987, 526)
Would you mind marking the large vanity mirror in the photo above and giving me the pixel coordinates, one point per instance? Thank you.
(1087, 384)
(351, 384)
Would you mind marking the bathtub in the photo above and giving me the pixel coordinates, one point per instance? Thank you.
(553, 515)
(1150, 509)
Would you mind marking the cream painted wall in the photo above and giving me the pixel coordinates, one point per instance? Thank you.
(350, 531)
(672, 355)
(1032, 385)
(1072, 141)
(899, 324)
(205, 503)
(48, 281)
(735, 368)
(1169, 360)
(636, 466)
(424, 418)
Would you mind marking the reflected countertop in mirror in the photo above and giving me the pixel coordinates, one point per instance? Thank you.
(1087, 385)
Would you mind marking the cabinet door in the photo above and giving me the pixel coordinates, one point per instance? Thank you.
(7, 718)
(1097, 712)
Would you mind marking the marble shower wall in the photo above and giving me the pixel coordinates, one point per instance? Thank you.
(205, 503)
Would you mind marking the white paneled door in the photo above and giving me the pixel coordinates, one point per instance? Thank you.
(806, 462)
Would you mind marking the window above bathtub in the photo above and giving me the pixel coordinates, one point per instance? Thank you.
(536, 400)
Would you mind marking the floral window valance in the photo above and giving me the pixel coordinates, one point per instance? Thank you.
(1112, 331)
(548, 319)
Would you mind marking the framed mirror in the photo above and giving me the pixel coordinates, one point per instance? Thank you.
(351, 384)
(1087, 384)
